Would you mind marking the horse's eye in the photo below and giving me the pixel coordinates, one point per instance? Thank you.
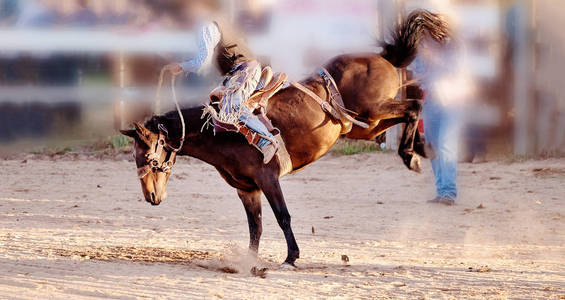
(161, 142)
(154, 163)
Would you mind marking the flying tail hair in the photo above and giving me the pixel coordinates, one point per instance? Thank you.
(408, 35)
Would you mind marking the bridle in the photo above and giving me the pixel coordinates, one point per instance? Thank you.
(157, 148)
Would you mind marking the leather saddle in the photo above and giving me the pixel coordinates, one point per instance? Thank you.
(268, 85)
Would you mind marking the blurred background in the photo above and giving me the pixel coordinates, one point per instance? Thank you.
(72, 72)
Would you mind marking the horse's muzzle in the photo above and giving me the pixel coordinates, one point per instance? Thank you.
(153, 200)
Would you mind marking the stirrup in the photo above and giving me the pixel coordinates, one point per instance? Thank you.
(267, 157)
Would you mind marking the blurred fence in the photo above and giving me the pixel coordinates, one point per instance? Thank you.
(95, 60)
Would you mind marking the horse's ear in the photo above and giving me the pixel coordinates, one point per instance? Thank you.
(143, 133)
(141, 129)
(130, 132)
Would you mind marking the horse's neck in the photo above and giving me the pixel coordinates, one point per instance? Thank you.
(200, 148)
(199, 137)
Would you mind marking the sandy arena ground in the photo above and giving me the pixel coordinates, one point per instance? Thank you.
(78, 229)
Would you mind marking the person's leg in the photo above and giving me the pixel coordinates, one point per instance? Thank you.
(432, 120)
(256, 125)
(448, 150)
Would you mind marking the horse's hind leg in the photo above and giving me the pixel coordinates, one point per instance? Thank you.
(390, 113)
(420, 146)
(272, 190)
(406, 146)
(409, 111)
(252, 203)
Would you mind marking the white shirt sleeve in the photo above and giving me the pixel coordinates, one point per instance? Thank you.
(208, 40)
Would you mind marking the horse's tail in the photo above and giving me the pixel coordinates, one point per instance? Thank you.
(407, 36)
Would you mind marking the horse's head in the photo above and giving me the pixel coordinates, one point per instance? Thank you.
(154, 158)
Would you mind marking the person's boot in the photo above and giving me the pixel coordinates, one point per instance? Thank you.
(447, 201)
(269, 152)
(443, 200)
(434, 200)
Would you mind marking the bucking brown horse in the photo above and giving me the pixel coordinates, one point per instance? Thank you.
(368, 84)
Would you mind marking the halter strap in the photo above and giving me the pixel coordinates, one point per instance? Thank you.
(153, 158)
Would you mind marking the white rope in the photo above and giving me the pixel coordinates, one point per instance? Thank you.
(175, 100)
(157, 107)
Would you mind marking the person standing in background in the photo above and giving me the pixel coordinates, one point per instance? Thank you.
(444, 77)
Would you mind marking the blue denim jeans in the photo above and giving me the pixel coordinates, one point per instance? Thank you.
(256, 125)
(442, 127)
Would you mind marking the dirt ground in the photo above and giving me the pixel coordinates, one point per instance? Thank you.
(79, 229)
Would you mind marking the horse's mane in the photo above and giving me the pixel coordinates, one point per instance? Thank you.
(171, 120)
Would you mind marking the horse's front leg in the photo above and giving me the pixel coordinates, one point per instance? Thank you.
(272, 190)
(252, 203)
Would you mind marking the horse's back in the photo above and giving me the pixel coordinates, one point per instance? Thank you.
(364, 80)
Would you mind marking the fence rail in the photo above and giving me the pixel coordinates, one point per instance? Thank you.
(98, 41)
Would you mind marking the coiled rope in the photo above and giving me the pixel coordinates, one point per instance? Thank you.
(175, 100)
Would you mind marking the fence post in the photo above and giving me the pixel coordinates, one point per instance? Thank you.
(523, 68)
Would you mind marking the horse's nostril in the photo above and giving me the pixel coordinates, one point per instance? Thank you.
(152, 197)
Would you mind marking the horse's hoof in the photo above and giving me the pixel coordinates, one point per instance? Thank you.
(287, 267)
(259, 272)
(415, 164)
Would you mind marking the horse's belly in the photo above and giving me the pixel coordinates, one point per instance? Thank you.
(309, 143)
(308, 132)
